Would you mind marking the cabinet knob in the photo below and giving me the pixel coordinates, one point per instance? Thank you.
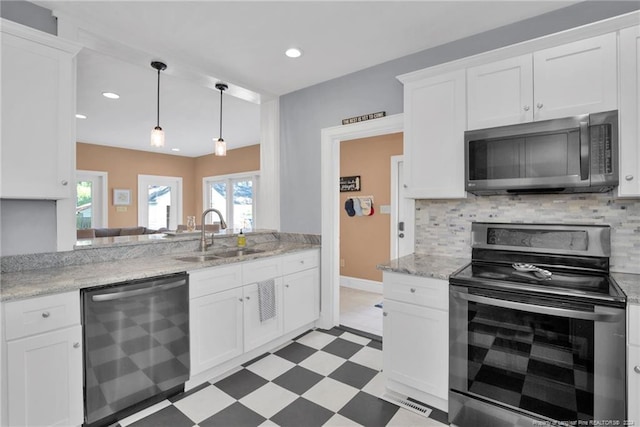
(637, 369)
(76, 345)
(629, 177)
(240, 299)
(413, 290)
(405, 185)
(286, 286)
(539, 105)
(526, 108)
(248, 298)
(45, 314)
(301, 261)
(64, 182)
(384, 313)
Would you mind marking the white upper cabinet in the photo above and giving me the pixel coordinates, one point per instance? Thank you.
(574, 78)
(629, 112)
(435, 119)
(38, 114)
(500, 93)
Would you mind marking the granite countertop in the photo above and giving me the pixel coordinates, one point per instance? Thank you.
(46, 281)
(438, 267)
(441, 267)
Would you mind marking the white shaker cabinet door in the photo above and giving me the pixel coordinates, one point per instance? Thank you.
(215, 329)
(575, 78)
(38, 124)
(500, 93)
(45, 379)
(435, 118)
(416, 347)
(258, 332)
(629, 112)
(301, 298)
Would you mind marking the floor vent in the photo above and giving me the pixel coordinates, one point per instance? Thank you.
(404, 402)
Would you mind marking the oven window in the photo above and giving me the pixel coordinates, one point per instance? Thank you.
(536, 362)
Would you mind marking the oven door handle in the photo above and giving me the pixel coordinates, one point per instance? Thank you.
(541, 309)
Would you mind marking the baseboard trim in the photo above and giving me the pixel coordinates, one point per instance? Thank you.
(361, 284)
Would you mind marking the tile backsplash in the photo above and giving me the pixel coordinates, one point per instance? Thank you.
(443, 227)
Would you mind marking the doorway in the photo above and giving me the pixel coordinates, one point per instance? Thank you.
(330, 166)
(159, 202)
(91, 199)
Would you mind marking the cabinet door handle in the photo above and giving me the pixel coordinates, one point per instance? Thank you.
(629, 177)
(384, 313)
(539, 105)
(46, 314)
(248, 298)
(526, 108)
(637, 369)
(76, 345)
(413, 290)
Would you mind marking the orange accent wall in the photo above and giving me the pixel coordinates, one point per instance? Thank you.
(123, 167)
(365, 240)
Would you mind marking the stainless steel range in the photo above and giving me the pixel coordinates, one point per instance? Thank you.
(537, 329)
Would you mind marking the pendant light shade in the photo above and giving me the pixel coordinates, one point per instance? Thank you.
(157, 134)
(220, 146)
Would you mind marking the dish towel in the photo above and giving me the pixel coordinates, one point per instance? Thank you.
(267, 299)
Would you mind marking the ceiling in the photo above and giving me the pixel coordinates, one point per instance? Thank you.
(242, 43)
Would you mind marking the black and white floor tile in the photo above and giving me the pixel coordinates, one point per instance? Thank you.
(322, 378)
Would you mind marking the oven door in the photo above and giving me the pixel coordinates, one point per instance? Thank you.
(517, 360)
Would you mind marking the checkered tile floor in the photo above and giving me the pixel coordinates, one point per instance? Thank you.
(324, 377)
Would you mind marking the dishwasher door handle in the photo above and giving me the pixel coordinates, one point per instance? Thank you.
(146, 290)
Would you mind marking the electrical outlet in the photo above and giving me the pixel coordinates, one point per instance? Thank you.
(341, 262)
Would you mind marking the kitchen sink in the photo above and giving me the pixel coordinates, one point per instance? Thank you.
(231, 253)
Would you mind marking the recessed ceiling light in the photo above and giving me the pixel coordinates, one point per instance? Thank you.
(110, 95)
(80, 116)
(293, 52)
(175, 149)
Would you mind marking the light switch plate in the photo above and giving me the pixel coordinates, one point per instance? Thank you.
(385, 209)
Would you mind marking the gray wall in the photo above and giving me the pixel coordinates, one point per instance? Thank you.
(27, 226)
(305, 112)
(29, 14)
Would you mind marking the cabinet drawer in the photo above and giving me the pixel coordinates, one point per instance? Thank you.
(256, 271)
(634, 324)
(215, 279)
(300, 261)
(416, 290)
(37, 315)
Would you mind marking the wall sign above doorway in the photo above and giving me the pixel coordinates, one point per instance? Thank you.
(363, 118)
(349, 183)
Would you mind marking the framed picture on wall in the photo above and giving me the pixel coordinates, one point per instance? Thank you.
(121, 197)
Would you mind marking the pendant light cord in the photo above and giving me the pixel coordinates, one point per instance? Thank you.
(221, 90)
(158, 98)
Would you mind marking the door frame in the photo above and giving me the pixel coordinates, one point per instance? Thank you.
(102, 178)
(330, 139)
(143, 209)
(408, 243)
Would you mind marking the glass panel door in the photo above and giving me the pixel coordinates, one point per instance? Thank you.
(243, 203)
(159, 202)
(90, 200)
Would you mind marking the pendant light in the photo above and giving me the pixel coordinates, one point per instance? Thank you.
(220, 145)
(157, 134)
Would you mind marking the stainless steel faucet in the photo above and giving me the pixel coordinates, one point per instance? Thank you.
(203, 239)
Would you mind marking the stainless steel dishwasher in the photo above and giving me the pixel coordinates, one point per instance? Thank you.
(136, 345)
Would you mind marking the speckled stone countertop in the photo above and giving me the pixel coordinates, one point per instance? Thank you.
(630, 285)
(438, 267)
(441, 267)
(44, 281)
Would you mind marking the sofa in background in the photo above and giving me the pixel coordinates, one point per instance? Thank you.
(92, 233)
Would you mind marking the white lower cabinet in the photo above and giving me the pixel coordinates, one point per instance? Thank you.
(416, 338)
(225, 306)
(42, 367)
(301, 299)
(633, 365)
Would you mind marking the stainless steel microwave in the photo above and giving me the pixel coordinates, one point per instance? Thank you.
(573, 154)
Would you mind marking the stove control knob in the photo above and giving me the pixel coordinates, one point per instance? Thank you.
(637, 369)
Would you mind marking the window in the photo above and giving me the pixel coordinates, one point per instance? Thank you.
(234, 196)
(159, 201)
(91, 199)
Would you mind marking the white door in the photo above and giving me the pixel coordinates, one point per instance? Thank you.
(91, 199)
(159, 201)
(402, 212)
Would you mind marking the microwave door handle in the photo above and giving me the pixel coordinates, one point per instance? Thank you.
(584, 151)
(541, 309)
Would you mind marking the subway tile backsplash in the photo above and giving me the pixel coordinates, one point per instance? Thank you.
(443, 227)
